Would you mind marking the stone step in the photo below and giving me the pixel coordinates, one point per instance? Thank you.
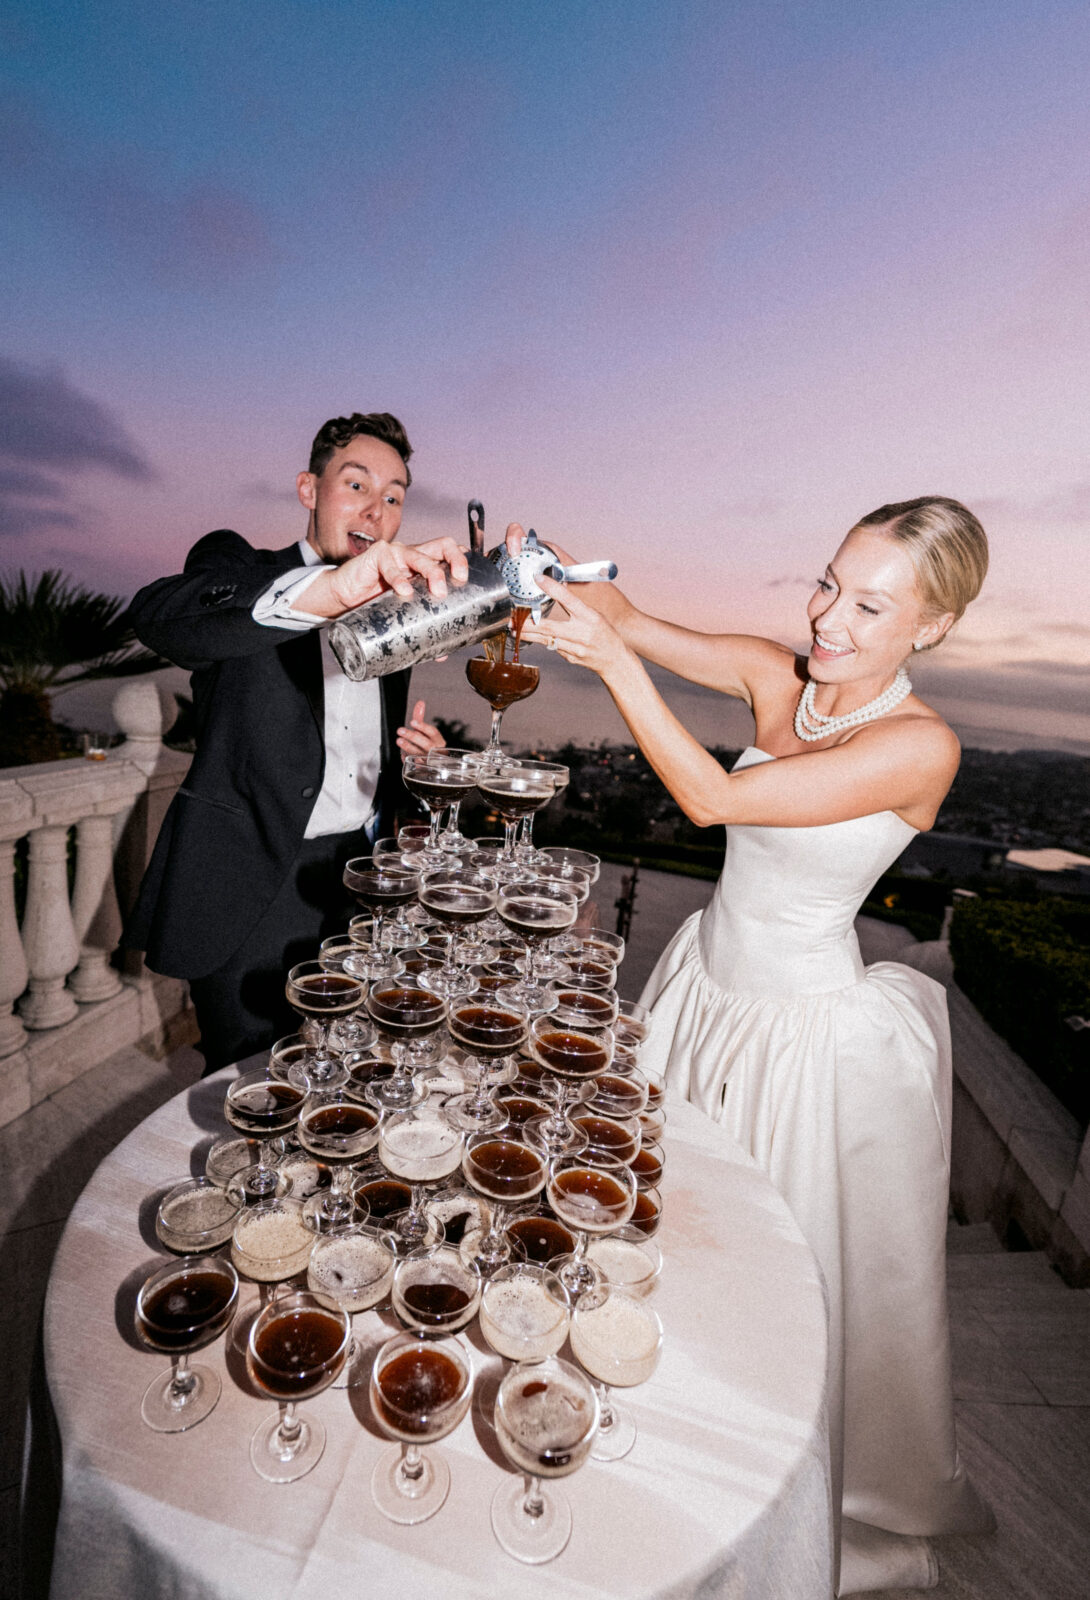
(989, 1268)
(1013, 1284)
(972, 1239)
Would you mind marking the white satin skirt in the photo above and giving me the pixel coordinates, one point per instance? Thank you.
(843, 1098)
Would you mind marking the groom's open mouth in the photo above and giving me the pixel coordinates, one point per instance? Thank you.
(359, 542)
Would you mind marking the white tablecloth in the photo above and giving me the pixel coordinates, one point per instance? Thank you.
(726, 1492)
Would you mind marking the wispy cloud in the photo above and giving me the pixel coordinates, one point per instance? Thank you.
(269, 494)
(49, 426)
(435, 502)
(1066, 506)
(200, 232)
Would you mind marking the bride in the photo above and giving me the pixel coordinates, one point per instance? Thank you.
(835, 1078)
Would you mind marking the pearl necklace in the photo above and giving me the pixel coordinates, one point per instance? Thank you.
(811, 725)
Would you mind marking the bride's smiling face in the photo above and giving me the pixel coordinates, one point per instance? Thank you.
(866, 613)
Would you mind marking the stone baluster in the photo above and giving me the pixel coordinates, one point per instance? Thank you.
(95, 914)
(16, 812)
(49, 936)
(138, 712)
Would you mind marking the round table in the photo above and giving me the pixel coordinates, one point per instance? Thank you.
(726, 1492)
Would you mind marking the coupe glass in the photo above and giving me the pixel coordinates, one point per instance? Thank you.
(489, 1029)
(322, 998)
(420, 1391)
(619, 1094)
(648, 1164)
(182, 1307)
(435, 1292)
(627, 1259)
(421, 1147)
(368, 960)
(297, 1346)
(647, 1212)
(452, 839)
(288, 1060)
(197, 1216)
(525, 1312)
(540, 1238)
(404, 1012)
(551, 963)
(574, 860)
(352, 1031)
(525, 848)
(337, 1129)
(355, 1268)
(573, 1058)
(610, 1142)
(271, 1242)
(546, 1419)
(536, 911)
(593, 962)
(506, 1172)
(587, 1009)
(618, 1339)
(261, 1107)
(501, 683)
(514, 791)
(385, 1198)
(458, 897)
(591, 1200)
(439, 779)
(380, 886)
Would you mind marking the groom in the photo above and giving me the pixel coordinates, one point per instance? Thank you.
(296, 767)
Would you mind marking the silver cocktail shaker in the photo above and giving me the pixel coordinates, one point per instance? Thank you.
(391, 633)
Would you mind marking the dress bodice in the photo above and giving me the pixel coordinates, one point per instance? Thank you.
(781, 922)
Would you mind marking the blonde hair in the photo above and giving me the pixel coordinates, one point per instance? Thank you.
(946, 545)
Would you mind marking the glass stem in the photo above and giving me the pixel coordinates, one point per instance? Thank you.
(290, 1427)
(412, 1464)
(605, 1406)
(510, 832)
(434, 817)
(452, 818)
(183, 1382)
(534, 1504)
(494, 1236)
(494, 735)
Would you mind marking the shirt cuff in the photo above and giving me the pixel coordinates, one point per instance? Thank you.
(275, 607)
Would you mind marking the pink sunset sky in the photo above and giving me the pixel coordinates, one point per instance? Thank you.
(693, 287)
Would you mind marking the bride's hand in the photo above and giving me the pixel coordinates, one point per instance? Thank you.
(585, 638)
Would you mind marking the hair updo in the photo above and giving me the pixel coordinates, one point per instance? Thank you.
(946, 545)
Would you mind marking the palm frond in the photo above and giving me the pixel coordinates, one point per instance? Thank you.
(54, 633)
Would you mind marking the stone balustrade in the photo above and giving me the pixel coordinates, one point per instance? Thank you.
(67, 1001)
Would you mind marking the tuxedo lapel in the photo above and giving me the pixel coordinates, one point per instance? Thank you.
(302, 655)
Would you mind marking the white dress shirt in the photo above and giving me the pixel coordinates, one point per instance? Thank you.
(353, 711)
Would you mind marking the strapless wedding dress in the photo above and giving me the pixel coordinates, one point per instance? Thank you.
(836, 1079)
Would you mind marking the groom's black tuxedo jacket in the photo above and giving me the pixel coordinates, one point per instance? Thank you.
(236, 825)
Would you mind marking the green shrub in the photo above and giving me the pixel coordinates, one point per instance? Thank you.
(1026, 968)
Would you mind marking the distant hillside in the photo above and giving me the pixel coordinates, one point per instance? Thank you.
(1029, 798)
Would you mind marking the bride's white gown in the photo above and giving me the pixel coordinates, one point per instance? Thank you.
(837, 1080)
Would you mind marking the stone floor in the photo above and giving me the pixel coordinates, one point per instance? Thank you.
(1021, 1338)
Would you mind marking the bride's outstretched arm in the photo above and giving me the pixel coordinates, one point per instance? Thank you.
(724, 661)
(904, 764)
